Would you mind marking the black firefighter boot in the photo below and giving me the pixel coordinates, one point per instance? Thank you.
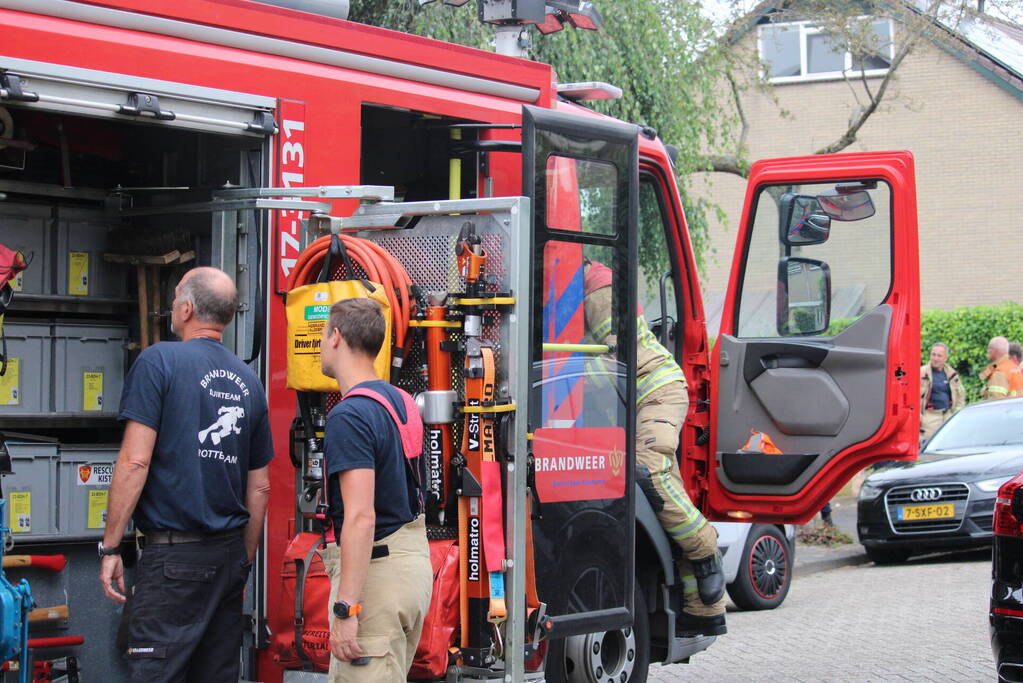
(710, 578)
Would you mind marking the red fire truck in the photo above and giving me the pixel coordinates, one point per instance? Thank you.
(139, 139)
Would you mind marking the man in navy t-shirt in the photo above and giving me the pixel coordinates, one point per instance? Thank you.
(381, 578)
(192, 473)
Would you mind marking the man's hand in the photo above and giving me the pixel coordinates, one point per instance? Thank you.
(343, 643)
(111, 568)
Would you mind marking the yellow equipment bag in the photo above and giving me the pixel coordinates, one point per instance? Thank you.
(308, 309)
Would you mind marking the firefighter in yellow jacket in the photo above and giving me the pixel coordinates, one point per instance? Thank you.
(662, 402)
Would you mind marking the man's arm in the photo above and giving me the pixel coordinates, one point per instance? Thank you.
(997, 386)
(130, 475)
(257, 493)
(357, 491)
(958, 394)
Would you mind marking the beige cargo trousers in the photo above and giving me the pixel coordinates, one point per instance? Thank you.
(659, 418)
(394, 603)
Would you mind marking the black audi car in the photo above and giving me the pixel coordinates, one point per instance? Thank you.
(946, 499)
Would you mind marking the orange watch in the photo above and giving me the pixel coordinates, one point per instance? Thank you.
(342, 610)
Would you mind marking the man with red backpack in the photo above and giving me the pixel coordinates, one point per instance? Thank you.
(381, 577)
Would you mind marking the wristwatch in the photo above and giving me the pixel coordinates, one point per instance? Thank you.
(342, 610)
(103, 552)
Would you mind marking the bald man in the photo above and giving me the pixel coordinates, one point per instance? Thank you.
(192, 474)
(1002, 378)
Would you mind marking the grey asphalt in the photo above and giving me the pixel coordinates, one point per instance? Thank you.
(925, 620)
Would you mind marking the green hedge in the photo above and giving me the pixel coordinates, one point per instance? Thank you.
(966, 331)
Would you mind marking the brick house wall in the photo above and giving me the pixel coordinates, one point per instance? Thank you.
(965, 133)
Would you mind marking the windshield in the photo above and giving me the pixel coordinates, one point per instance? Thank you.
(993, 425)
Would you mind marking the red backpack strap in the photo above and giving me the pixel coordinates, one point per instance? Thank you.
(411, 430)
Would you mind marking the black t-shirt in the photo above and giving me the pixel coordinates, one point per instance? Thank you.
(941, 392)
(360, 434)
(209, 411)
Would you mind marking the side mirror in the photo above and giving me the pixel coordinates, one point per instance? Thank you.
(802, 221)
(804, 296)
(846, 205)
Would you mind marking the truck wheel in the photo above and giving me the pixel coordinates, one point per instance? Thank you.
(621, 656)
(765, 570)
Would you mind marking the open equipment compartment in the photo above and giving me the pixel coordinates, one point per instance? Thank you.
(110, 206)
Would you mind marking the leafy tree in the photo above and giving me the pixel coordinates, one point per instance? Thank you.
(919, 23)
(660, 52)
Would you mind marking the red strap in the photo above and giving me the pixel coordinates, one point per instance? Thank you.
(411, 430)
(493, 518)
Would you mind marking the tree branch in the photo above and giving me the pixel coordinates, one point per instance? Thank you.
(723, 163)
(737, 100)
(849, 136)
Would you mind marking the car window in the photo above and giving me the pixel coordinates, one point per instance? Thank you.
(990, 425)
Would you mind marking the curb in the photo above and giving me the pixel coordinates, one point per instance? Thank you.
(823, 565)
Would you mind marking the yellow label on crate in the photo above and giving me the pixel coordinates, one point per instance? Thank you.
(92, 391)
(97, 518)
(10, 391)
(78, 273)
(21, 512)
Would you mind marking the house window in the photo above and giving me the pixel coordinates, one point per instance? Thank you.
(799, 51)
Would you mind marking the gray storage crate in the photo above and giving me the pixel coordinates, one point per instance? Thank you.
(84, 473)
(28, 229)
(31, 492)
(27, 385)
(81, 271)
(90, 362)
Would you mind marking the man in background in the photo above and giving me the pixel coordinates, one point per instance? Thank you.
(941, 392)
(1002, 378)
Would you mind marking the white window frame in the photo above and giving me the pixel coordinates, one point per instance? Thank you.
(806, 29)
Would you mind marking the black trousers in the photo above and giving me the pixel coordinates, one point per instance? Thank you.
(185, 620)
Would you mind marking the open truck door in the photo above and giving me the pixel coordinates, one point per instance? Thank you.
(581, 173)
(819, 345)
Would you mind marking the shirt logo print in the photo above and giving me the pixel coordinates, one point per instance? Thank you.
(225, 424)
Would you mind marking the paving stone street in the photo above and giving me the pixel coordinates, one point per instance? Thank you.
(925, 620)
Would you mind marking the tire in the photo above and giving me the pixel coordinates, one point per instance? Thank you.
(603, 657)
(886, 555)
(765, 570)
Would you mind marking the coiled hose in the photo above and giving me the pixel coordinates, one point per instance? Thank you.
(380, 266)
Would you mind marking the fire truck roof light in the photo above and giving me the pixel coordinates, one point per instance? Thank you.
(589, 90)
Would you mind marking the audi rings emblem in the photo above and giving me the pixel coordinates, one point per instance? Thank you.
(920, 495)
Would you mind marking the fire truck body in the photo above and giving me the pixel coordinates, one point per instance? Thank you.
(132, 115)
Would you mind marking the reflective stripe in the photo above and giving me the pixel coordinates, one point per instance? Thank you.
(657, 379)
(687, 529)
(601, 331)
(668, 371)
(997, 390)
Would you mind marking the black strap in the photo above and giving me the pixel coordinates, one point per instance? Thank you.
(301, 571)
(338, 250)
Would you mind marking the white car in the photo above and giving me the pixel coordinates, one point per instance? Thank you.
(758, 561)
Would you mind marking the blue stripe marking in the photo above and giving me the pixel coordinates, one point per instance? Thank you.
(569, 302)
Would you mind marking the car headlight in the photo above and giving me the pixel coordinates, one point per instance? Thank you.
(992, 484)
(870, 491)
